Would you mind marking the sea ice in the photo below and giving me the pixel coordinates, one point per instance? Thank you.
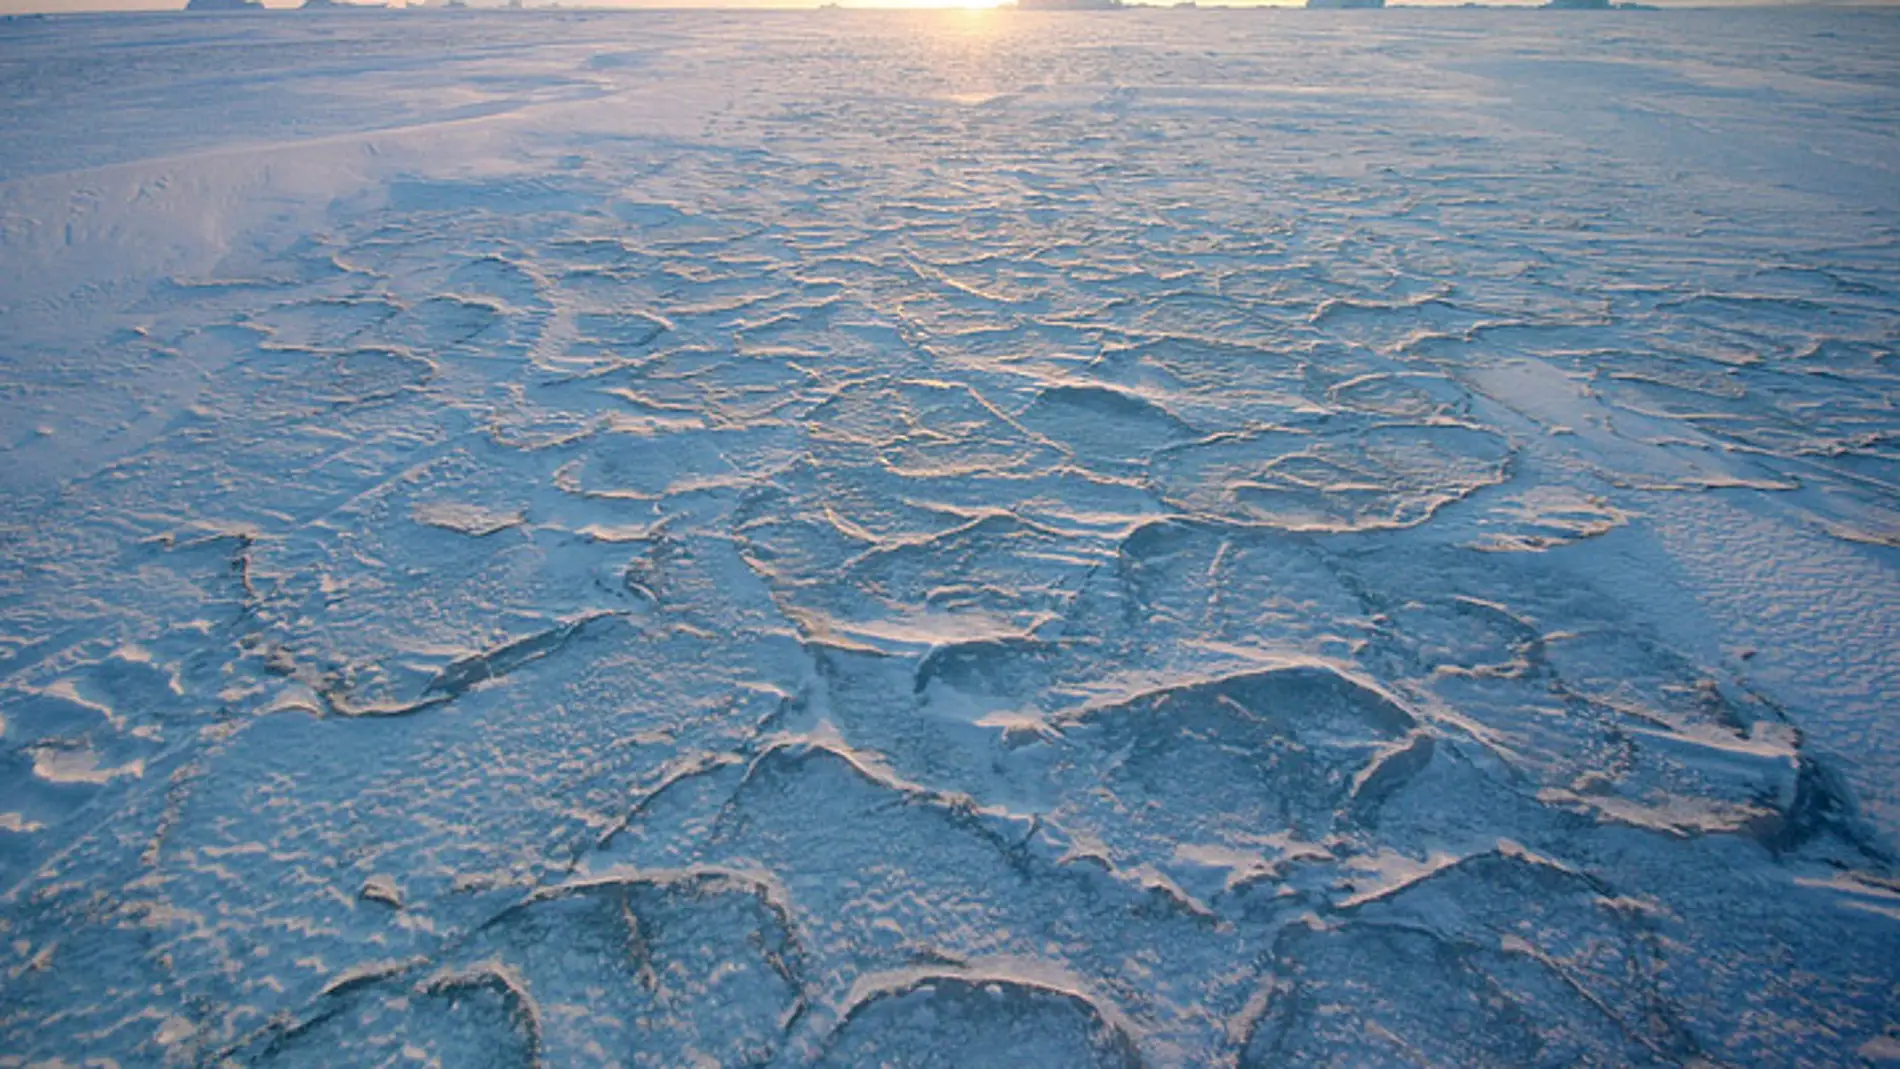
(1172, 538)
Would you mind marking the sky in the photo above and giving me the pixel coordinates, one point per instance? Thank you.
(21, 7)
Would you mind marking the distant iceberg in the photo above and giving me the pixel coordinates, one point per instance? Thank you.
(223, 5)
(1338, 5)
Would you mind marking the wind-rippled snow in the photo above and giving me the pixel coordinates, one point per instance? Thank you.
(1159, 538)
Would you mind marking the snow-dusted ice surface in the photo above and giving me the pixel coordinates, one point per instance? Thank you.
(1169, 539)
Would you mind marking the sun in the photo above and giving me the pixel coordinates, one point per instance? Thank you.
(930, 5)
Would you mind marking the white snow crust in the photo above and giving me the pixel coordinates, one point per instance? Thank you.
(1170, 538)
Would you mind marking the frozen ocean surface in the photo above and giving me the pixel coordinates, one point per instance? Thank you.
(957, 539)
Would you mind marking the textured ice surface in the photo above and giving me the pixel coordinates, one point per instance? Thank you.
(1167, 538)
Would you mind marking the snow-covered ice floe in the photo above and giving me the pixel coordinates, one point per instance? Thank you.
(950, 539)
